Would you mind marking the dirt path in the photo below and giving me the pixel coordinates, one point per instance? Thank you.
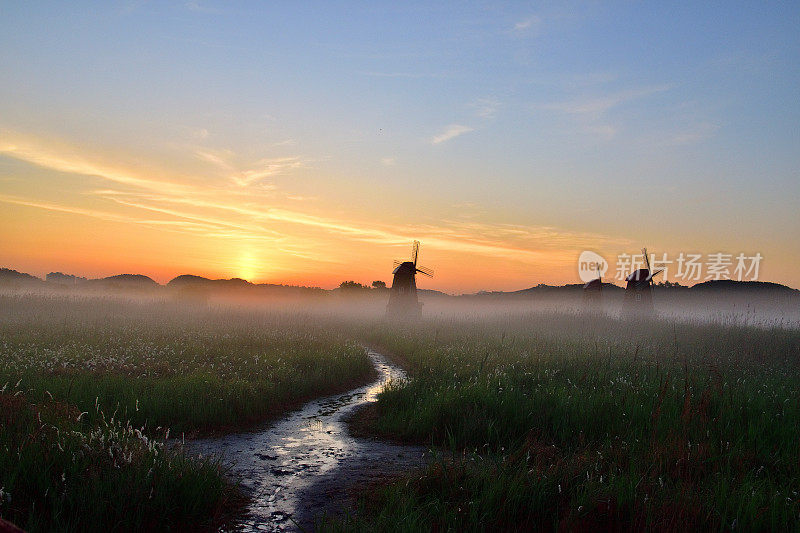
(307, 463)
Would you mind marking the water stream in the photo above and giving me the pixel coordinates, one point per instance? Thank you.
(307, 463)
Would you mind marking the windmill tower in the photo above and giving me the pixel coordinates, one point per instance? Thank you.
(639, 289)
(593, 293)
(403, 300)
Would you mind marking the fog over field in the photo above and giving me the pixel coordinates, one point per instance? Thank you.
(127, 379)
(399, 266)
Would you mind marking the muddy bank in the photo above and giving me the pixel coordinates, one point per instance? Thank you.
(307, 463)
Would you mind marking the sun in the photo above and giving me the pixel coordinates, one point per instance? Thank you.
(248, 266)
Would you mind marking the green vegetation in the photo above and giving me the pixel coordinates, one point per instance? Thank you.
(564, 422)
(158, 363)
(545, 420)
(59, 473)
(94, 386)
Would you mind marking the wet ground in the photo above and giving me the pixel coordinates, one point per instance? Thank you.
(307, 464)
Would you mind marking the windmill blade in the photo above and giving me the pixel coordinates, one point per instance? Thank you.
(425, 270)
(396, 263)
(415, 252)
(656, 273)
(599, 276)
(646, 259)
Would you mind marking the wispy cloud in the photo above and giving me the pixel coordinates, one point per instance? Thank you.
(220, 158)
(408, 75)
(51, 206)
(387, 161)
(232, 213)
(527, 24)
(594, 106)
(66, 158)
(451, 132)
(694, 134)
(592, 114)
(286, 142)
(203, 228)
(266, 168)
(605, 132)
(486, 107)
(194, 5)
(257, 172)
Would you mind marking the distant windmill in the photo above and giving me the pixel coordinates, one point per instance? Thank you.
(593, 292)
(403, 300)
(639, 290)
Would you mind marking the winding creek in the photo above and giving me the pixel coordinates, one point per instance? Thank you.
(306, 463)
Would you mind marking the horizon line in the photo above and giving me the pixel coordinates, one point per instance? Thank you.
(256, 283)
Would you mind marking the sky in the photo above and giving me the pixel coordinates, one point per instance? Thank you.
(311, 142)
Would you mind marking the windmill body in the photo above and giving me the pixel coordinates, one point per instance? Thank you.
(403, 301)
(593, 294)
(639, 289)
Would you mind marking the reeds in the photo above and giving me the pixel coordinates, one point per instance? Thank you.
(560, 421)
(93, 389)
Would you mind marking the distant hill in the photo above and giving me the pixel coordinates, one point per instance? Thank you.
(122, 282)
(186, 279)
(725, 286)
(561, 289)
(12, 278)
(237, 286)
(190, 280)
(126, 280)
(730, 285)
(198, 284)
(431, 292)
(64, 279)
(543, 290)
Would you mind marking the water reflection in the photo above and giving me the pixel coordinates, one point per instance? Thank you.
(299, 466)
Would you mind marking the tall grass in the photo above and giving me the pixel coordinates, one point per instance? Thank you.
(61, 473)
(91, 389)
(159, 363)
(567, 421)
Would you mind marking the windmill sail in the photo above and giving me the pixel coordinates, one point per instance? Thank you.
(425, 270)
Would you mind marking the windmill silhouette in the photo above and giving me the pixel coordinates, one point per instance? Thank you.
(593, 292)
(639, 288)
(403, 301)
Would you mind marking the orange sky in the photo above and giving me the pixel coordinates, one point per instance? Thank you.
(94, 214)
(312, 145)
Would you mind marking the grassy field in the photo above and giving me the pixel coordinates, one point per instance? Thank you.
(92, 387)
(560, 421)
(546, 420)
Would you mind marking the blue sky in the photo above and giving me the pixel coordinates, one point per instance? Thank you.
(537, 127)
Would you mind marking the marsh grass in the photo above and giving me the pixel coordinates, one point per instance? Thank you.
(562, 421)
(161, 364)
(61, 473)
(94, 387)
